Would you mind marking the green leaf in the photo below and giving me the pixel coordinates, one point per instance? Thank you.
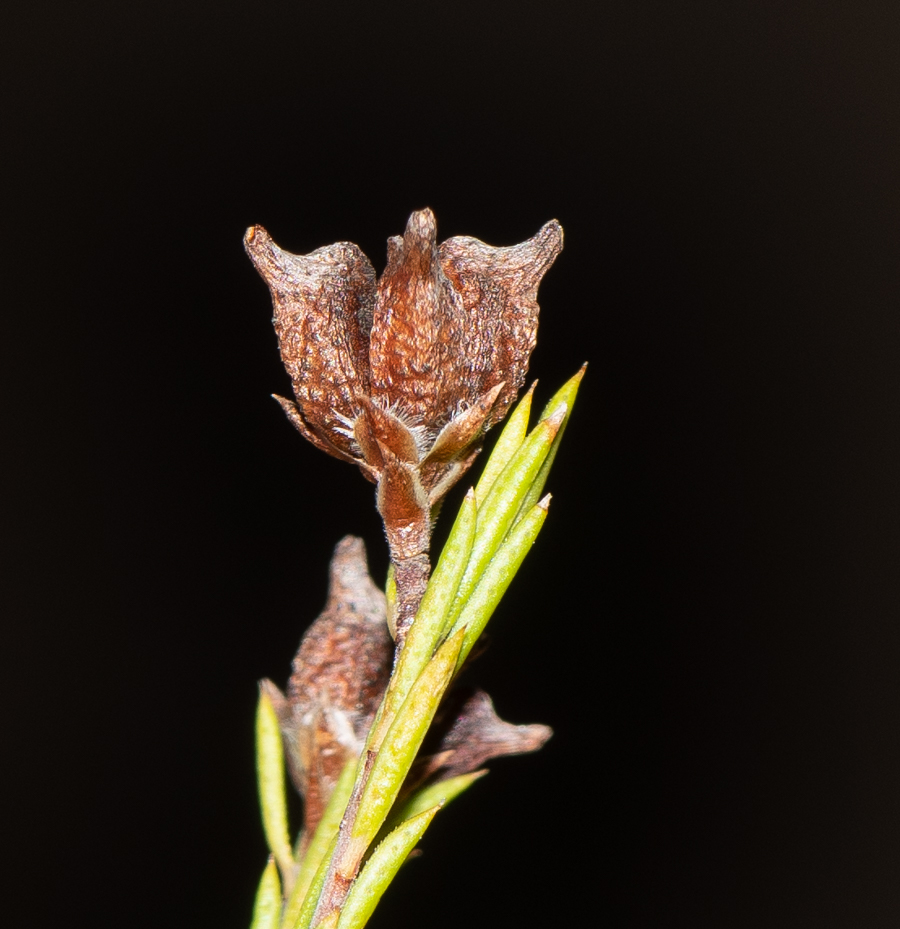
(303, 918)
(439, 794)
(401, 743)
(566, 394)
(390, 596)
(380, 870)
(497, 577)
(321, 841)
(507, 444)
(496, 514)
(270, 774)
(267, 908)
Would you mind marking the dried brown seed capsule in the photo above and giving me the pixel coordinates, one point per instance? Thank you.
(403, 375)
(444, 330)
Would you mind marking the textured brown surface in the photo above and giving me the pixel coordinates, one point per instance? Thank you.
(499, 288)
(323, 314)
(339, 675)
(471, 733)
(417, 353)
(393, 362)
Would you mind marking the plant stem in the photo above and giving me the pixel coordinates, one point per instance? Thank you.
(411, 577)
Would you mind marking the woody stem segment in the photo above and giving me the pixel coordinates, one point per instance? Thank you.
(404, 507)
(411, 577)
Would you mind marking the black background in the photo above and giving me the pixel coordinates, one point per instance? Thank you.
(710, 618)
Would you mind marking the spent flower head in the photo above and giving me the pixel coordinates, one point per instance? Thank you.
(402, 375)
(416, 364)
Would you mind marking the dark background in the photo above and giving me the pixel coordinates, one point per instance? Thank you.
(710, 618)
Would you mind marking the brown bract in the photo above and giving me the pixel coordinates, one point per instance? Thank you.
(469, 732)
(339, 676)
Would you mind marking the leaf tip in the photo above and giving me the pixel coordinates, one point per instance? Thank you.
(555, 419)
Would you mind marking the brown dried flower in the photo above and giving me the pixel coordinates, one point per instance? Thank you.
(339, 675)
(404, 374)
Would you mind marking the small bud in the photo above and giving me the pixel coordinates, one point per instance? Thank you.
(340, 673)
(472, 733)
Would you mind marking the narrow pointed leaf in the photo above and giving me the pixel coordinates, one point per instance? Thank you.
(267, 908)
(566, 394)
(270, 774)
(438, 794)
(401, 743)
(303, 918)
(497, 512)
(381, 868)
(497, 577)
(507, 444)
(321, 841)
